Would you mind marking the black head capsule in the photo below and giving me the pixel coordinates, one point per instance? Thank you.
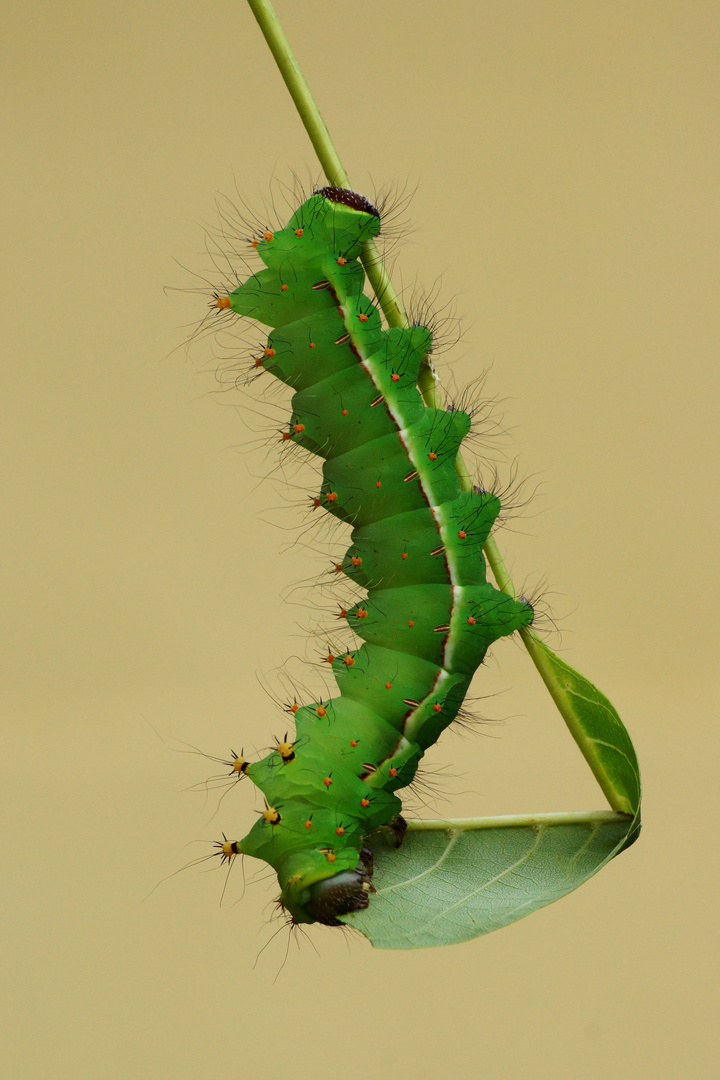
(342, 893)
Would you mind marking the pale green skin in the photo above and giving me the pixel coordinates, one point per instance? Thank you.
(390, 470)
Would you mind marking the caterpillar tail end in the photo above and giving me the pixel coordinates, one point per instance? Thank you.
(222, 302)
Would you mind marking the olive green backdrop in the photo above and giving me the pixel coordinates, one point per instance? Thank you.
(564, 159)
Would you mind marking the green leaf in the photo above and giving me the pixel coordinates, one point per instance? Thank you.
(594, 725)
(452, 881)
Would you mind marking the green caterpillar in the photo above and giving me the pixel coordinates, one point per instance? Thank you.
(417, 538)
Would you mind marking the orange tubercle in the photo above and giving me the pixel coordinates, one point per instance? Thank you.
(222, 301)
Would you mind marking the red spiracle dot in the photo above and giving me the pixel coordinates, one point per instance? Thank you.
(327, 781)
(471, 620)
(388, 686)
(392, 772)
(283, 288)
(308, 824)
(437, 707)
(404, 555)
(344, 412)
(353, 743)
(411, 622)
(378, 483)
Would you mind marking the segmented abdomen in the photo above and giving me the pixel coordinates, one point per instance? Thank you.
(389, 471)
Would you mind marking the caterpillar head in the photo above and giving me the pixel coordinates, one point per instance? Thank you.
(315, 890)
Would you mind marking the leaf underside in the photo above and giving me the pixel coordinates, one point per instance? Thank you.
(451, 884)
(453, 881)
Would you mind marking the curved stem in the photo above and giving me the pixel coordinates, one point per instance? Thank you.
(522, 821)
(392, 309)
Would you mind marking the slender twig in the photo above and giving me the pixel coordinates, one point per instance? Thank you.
(522, 821)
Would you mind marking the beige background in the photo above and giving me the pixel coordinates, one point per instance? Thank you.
(565, 157)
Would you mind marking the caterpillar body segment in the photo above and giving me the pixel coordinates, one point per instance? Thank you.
(430, 614)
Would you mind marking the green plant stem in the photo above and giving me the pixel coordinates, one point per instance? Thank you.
(325, 149)
(395, 315)
(521, 821)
